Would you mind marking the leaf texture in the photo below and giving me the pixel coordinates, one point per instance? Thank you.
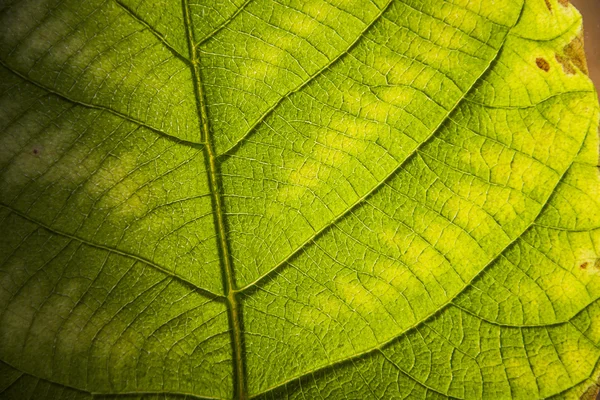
(341, 199)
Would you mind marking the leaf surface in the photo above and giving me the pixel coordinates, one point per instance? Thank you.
(297, 199)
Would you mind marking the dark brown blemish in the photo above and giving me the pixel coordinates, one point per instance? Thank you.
(35, 151)
(592, 265)
(564, 3)
(542, 64)
(549, 5)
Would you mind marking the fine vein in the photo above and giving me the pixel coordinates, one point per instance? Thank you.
(233, 309)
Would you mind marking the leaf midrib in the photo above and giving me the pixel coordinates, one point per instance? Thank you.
(229, 286)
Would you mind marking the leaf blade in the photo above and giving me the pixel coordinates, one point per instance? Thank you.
(399, 199)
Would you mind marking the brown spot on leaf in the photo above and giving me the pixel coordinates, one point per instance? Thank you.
(591, 393)
(542, 64)
(564, 3)
(35, 151)
(576, 53)
(591, 265)
(549, 5)
(566, 64)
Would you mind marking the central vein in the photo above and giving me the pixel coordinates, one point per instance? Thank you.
(233, 309)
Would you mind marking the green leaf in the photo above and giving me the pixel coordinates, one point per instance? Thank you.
(297, 199)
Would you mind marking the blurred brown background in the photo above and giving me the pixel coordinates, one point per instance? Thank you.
(590, 9)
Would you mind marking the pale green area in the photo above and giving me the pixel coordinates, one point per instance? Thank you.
(410, 200)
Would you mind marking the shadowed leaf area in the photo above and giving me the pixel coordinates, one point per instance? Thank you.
(297, 199)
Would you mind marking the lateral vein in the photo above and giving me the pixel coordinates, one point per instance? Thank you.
(229, 151)
(98, 107)
(154, 32)
(205, 292)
